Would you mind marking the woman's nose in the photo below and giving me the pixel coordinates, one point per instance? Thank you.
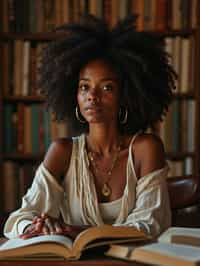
(93, 95)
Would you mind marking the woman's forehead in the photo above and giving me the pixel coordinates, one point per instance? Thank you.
(98, 67)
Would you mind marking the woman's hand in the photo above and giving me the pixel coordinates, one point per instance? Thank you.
(45, 225)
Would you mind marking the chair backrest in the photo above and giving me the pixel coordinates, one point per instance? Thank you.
(184, 193)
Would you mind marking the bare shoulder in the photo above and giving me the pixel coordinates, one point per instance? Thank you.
(148, 153)
(58, 157)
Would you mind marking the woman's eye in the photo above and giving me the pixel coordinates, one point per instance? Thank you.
(83, 87)
(106, 87)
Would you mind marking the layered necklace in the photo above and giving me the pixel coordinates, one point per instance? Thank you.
(106, 190)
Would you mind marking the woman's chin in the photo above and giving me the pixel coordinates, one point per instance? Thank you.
(95, 120)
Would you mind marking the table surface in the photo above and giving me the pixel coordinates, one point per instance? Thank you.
(98, 261)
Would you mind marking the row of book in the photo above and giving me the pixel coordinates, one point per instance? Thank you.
(22, 59)
(44, 15)
(178, 128)
(17, 179)
(29, 129)
(182, 56)
(181, 167)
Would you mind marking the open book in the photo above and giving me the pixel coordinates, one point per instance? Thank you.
(63, 246)
(176, 246)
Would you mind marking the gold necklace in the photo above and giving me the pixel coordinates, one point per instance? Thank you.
(106, 189)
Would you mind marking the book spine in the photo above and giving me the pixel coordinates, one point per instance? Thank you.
(35, 129)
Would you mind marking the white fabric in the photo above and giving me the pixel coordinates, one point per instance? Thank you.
(109, 210)
(144, 203)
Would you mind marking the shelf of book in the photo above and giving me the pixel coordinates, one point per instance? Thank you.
(21, 40)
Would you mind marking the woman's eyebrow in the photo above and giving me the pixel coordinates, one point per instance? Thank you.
(84, 79)
(103, 79)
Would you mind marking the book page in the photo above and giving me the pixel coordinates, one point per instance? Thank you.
(177, 235)
(106, 234)
(18, 242)
(172, 250)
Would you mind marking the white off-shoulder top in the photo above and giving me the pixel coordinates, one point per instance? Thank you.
(144, 203)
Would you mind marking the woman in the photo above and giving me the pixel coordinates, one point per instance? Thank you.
(112, 85)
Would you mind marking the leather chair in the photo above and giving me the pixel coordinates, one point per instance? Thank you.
(184, 193)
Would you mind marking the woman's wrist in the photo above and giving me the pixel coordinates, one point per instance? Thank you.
(23, 225)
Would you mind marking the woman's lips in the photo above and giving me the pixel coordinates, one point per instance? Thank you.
(92, 107)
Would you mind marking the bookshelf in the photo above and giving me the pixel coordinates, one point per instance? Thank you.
(21, 33)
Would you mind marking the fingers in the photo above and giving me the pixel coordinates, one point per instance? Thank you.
(45, 225)
(58, 228)
(48, 225)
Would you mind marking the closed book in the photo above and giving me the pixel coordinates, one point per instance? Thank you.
(161, 15)
(190, 128)
(176, 125)
(49, 8)
(96, 8)
(35, 129)
(18, 57)
(25, 68)
(176, 14)
(47, 136)
(8, 128)
(5, 76)
(107, 9)
(10, 185)
(20, 127)
(138, 9)
(185, 13)
(186, 49)
(27, 130)
(4, 16)
(33, 16)
(176, 60)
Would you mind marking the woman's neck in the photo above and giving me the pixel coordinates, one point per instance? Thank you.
(103, 140)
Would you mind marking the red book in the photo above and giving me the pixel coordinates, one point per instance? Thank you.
(161, 15)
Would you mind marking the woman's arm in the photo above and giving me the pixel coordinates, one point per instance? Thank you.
(152, 210)
(45, 194)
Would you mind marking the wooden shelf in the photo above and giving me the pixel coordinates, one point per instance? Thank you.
(182, 96)
(40, 36)
(27, 99)
(179, 155)
(174, 33)
(48, 36)
(23, 157)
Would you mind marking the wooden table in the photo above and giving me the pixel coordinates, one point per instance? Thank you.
(87, 262)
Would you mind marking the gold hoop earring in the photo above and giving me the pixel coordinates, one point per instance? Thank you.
(124, 120)
(78, 117)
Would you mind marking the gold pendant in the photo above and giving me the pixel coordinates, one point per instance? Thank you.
(106, 190)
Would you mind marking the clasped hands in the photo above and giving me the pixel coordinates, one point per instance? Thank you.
(45, 225)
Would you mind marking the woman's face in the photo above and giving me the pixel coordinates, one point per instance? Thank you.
(98, 92)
